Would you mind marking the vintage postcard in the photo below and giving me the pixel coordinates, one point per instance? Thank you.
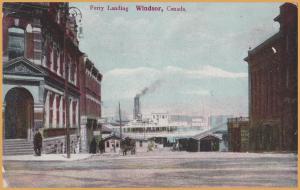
(149, 94)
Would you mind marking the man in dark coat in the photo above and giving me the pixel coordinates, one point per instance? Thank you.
(93, 146)
(38, 143)
(102, 146)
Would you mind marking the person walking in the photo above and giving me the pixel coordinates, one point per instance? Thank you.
(93, 146)
(101, 146)
(38, 143)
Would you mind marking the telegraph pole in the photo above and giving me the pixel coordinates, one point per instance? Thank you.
(66, 13)
(75, 12)
(120, 121)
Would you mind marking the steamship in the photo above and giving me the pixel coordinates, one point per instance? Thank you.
(161, 125)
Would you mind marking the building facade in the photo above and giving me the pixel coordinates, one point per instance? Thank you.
(112, 143)
(205, 142)
(90, 102)
(41, 61)
(238, 134)
(273, 87)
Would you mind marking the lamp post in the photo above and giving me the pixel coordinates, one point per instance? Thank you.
(75, 12)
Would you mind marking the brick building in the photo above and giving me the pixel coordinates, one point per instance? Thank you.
(90, 102)
(40, 58)
(273, 87)
(238, 134)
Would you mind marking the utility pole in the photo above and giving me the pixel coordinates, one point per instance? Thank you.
(66, 13)
(144, 125)
(75, 12)
(120, 120)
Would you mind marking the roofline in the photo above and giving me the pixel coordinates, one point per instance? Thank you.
(277, 19)
(195, 138)
(88, 61)
(24, 59)
(263, 44)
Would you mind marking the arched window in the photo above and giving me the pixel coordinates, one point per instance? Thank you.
(55, 56)
(16, 42)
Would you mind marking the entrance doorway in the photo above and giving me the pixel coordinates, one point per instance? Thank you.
(18, 113)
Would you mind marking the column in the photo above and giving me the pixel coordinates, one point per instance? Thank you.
(58, 63)
(71, 113)
(54, 112)
(74, 112)
(69, 71)
(37, 119)
(37, 49)
(51, 113)
(58, 99)
(52, 59)
(61, 112)
(77, 112)
(3, 120)
(75, 75)
(83, 134)
(62, 64)
(47, 108)
(64, 112)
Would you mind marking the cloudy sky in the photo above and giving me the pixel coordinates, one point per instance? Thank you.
(195, 57)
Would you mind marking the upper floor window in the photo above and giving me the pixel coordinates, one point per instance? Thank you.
(58, 17)
(16, 42)
(55, 57)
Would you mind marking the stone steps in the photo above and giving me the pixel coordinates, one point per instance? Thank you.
(17, 147)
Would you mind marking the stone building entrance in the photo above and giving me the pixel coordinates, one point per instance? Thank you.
(19, 113)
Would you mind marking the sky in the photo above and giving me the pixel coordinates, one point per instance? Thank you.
(193, 60)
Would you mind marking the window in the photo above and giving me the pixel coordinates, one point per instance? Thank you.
(55, 57)
(72, 68)
(75, 74)
(48, 56)
(58, 17)
(57, 109)
(64, 112)
(16, 42)
(74, 112)
(69, 65)
(117, 144)
(107, 144)
(37, 44)
(58, 63)
(62, 63)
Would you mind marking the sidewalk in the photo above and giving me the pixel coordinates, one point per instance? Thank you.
(47, 157)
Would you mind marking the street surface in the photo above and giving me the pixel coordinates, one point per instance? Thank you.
(158, 169)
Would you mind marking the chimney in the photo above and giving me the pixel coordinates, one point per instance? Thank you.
(288, 16)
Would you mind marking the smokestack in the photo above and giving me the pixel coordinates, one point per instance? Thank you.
(137, 105)
(136, 110)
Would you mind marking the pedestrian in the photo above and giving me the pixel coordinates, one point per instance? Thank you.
(93, 146)
(38, 143)
(77, 148)
(101, 146)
